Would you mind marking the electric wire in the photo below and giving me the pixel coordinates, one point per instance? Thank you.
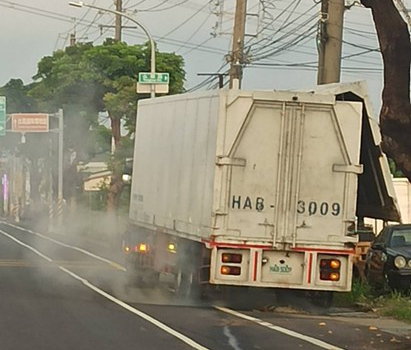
(188, 19)
(262, 49)
(155, 8)
(194, 33)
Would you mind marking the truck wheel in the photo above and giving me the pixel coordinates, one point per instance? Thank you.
(152, 279)
(185, 285)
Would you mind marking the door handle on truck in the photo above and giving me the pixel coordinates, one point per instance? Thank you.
(222, 160)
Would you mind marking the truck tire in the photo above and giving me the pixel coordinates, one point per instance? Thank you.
(186, 286)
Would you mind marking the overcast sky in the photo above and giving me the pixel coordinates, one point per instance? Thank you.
(279, 32)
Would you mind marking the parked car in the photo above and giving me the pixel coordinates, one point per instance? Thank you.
(388, 260)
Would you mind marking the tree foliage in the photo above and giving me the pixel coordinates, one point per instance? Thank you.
(87, 80)
(17, 97)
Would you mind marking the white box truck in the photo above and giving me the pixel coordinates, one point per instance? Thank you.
(255, 188)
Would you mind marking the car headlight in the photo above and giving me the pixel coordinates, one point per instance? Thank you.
(409, 263)
(400, 262)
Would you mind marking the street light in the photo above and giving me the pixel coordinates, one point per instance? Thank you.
(153, 50)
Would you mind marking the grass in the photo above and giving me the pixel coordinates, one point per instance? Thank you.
(359, 295)
(395, 305)
(392, 304)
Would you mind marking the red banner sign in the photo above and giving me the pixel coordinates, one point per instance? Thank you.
(30, 122)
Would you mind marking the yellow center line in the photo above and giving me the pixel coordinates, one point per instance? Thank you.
(25, 263)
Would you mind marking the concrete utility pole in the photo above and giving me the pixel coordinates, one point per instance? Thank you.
(118, 27)
(72, 39)
(60, 199)
(237, 54)
(330, 41)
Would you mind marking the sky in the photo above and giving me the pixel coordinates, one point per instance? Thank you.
(279, 33)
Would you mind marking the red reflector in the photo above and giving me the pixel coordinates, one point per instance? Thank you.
(230, 270)
(232, 258)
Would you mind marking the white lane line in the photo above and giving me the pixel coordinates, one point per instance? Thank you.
(81, 250)
(26, 246)
(286, 331)
(139, 313)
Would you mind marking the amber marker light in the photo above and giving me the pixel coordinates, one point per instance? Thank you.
(142, 248)
(335, 264)
(231, 258)
(230, 270)
(334, 276)
(171, 247)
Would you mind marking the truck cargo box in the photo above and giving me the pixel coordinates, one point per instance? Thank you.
(274, 167)
(258, 188)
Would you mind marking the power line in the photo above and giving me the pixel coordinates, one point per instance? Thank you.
(153, 8)
(188, 19)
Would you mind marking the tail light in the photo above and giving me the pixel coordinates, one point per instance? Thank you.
(329, 276)
(231, 258)
(171, 247)
(141, 248)
(230, 270)
(330, 269)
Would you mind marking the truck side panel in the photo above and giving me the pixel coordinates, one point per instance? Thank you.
(173, 167)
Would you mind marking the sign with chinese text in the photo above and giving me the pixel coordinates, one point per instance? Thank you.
(30, 122)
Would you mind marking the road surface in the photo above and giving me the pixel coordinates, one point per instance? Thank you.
(55, 294)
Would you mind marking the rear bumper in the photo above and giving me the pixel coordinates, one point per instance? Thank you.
(295, 269)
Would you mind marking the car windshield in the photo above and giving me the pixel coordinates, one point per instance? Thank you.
(401, 237)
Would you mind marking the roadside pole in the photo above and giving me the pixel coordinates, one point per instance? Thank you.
(60, 171)
(237, 55)
(329, 41)
(50, 190)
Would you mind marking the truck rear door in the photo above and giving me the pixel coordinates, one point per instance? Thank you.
(295, 175)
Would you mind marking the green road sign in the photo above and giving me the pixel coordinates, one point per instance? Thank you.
(2, 116)
(153, 78)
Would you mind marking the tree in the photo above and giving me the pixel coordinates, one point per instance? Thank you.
(395, 114)
(17, 96)
(92, 79)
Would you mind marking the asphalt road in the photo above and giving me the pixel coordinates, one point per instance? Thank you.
(56, 295)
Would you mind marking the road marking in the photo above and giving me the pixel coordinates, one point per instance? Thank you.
(14, 263)
(119, 302)
(286, 331)
(81, 250)
(34, 250)
(67, 263)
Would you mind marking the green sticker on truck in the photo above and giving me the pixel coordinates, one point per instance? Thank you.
(280, 268)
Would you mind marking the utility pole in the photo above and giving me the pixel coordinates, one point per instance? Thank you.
(237, 55)
(330, 41)
(118, 26)
(72, 39)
